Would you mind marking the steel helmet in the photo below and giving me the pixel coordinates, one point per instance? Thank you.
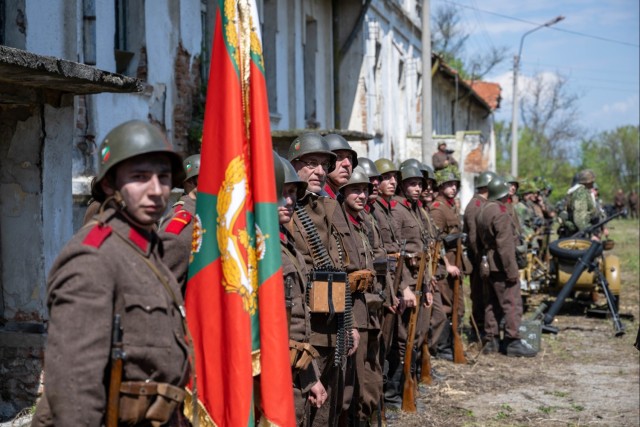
(369, 167)
(427, 172)
(527, 187)
(484, 179)
(498, 188)
(411, 162)
(447, 174)
(359, 176)
(191, 166)
(337, 142)
(291, 177)
(310, 143)
(410, 172)
(510, 179)
(385, 165)
(131, 139)
(586, 176)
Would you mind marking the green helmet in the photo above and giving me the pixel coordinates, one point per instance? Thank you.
(385, 165)
(369, 167)
(586, 176)
(411, 162)
(409, 171)
(447, 174)
(498, 188)
(310, 143)
(510, 179)
(191, 166)
(527, 187)
(427, 172)
(291, 177)
(484, 179)
(337, 142)
(359, 176)
(131, 139)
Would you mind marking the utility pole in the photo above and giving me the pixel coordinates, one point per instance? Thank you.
(514, 112)
(427, 121)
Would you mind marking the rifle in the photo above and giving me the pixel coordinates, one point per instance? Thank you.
(425, 372)
(117, 357)
(458, 350)
(389, 320)
(589, 230)
(410, 386)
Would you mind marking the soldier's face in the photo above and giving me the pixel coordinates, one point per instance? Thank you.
(388, 184)
(290, 195)
(355, 197)
(449, 189)
(344, 168)
(145, 184)
(412, 188)
(513, 188)
(311, 169)
(375, 181)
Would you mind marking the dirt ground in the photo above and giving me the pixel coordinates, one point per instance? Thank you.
(583, 376)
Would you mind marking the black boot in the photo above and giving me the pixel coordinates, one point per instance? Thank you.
(519, 348)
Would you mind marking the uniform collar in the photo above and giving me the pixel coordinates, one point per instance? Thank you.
(357, 220)
(329, 191)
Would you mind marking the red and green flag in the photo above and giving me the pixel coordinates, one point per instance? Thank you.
(235, 294)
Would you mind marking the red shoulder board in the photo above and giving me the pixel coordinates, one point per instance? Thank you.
(478, 203)
(435, 205)
(503, 208)
(97, 235)
(179, 222)
(393, 203)
(406, 203)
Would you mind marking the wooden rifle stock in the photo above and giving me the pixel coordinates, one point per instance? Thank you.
(410, 386)
(458, 349)
(425, 371)
(115, 379)
(389, 320)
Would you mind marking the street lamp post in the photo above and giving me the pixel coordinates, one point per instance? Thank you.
(514, 113)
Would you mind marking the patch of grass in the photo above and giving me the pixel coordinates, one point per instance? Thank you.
(469, 413)
(560, 394)
(546, 409)
(577, 408)
(506, 407)
(502, 415)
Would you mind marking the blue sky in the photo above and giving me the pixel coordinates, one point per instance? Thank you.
(605, 74)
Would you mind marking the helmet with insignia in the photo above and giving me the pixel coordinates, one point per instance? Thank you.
(447, 174)
(369, 167)
(337, 142)
(191, 166)
(586, 176)
(134, 138)
(359, 176)
(484, 179)
(311, 143)
(385, 165)
(498, 188)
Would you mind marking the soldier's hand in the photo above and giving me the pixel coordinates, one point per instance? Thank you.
(317, 395)
(355, 337)
(428, 301)
(452, 270)
(409, 297)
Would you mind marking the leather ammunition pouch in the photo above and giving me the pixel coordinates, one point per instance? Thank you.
(326, 291)
(374, 301)
(392, 262)
(380, 265)
(361, 280)
(150, 401)
(301, 354)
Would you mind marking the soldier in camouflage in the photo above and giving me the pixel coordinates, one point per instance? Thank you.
(581, 205)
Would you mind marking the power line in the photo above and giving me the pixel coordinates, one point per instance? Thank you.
(513, 18)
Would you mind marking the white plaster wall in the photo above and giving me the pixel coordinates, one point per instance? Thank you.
(191, 26)
(46, 26)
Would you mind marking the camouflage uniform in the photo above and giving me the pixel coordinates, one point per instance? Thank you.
(582, 208)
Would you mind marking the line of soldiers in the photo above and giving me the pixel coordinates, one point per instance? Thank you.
(372, 262)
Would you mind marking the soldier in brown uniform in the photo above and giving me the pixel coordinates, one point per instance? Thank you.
(471, 212)
(618, 200)
(367, 301)
(346, 161)
(112, 266)
(443, 157)
(306, 375)
(633, 204)
(318, 222)
(414, 228)
(447, 219)
(177, 232)
(496, 230)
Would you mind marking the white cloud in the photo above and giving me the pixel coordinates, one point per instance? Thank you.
(621, 107)
(525, 85)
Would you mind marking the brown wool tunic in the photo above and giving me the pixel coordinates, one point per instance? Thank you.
(177, 236)
(99, 273)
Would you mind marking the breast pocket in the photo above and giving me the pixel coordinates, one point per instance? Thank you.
(147, 321)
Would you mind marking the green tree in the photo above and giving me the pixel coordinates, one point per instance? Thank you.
(613, 156)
